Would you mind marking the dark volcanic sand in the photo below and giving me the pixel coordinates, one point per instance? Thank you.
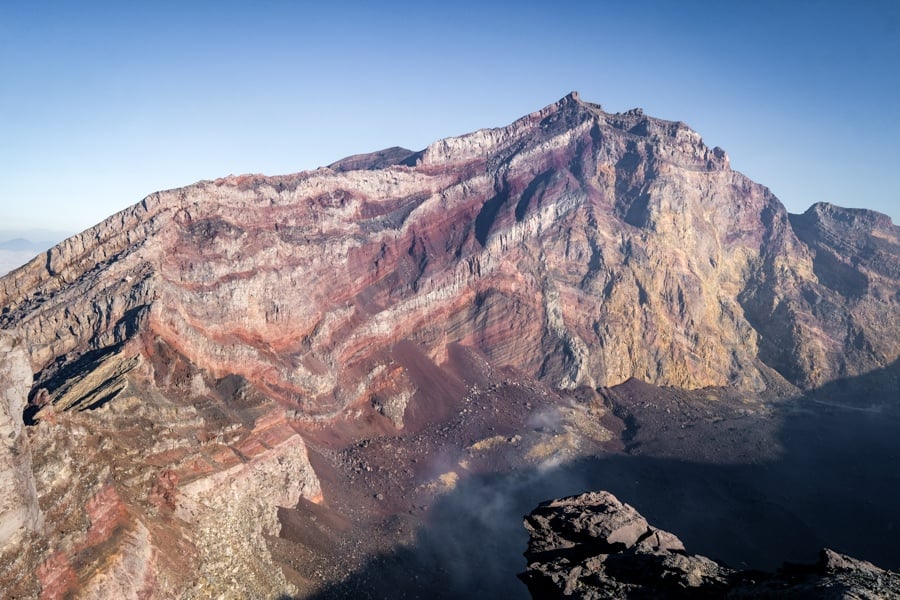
(750, 491)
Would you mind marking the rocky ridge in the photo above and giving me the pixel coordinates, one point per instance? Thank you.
(594, 546)
(289, 333)
(628, 247)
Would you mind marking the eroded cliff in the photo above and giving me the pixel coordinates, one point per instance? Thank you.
(190, 350)
(578, 246)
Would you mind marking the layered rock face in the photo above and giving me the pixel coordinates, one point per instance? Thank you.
(190, 350)
(579, 246)
(594, 546)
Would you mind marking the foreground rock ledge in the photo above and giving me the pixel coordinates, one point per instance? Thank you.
(594, 546)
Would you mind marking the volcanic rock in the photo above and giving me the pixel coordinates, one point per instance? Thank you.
(578, 246)
(359, 337)
(594, 546)
(19, 509)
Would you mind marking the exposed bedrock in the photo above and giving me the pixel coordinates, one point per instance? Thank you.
(197, 366)
(594, 546)
(19, 509)
(582, 247)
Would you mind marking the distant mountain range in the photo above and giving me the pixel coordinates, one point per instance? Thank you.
(17, 247)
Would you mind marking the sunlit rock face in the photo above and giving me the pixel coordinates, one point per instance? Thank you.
(19, 510)
(576, 245)
(188, 349)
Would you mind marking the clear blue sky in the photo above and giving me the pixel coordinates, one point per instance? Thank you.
(102, 103)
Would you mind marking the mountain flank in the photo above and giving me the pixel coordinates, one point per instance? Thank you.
(227, 374)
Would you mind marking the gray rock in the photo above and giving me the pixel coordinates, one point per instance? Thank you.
(593, 546)
(19, 510)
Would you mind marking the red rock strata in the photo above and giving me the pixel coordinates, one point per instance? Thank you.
(187, 350)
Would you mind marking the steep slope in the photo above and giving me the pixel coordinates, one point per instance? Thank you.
(247, 333)
(19, 511)
(578, 246)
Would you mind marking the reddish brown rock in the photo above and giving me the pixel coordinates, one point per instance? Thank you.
(579, 246)
(189, 350)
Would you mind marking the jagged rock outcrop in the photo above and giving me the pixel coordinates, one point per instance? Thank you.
(594, 546)
(250, 331)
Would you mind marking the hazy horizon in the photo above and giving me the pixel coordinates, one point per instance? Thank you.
(18, 246)
(106, 104)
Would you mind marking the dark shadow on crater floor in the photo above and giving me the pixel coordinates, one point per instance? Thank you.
(836, 484)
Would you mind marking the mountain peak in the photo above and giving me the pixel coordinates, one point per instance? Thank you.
(571, 118)
(585, 203)
(187, 350)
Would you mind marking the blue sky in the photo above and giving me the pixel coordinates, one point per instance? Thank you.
(104, 103)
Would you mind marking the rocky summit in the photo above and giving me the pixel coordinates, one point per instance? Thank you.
(594, 546)
(249, 387)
